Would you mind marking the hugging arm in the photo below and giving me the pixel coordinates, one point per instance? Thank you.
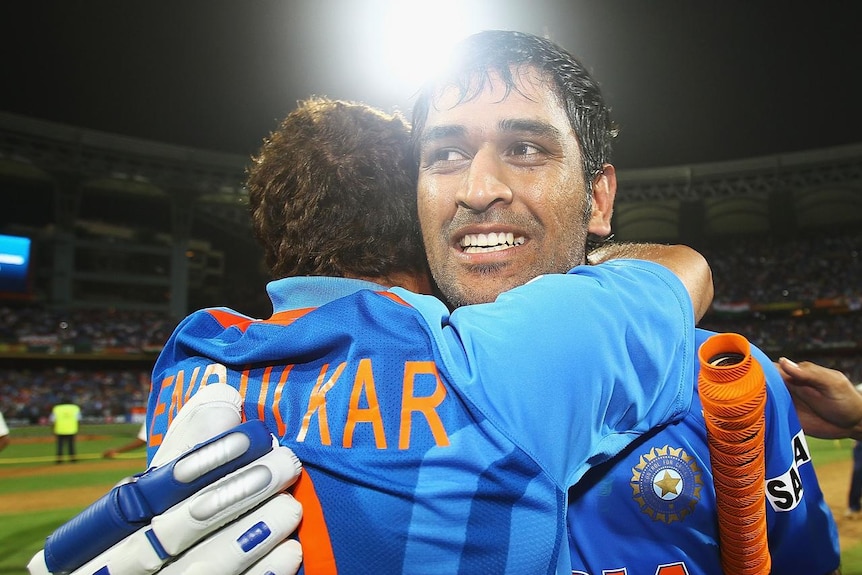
(686, 263)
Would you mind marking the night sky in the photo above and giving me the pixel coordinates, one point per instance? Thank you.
(688, 81)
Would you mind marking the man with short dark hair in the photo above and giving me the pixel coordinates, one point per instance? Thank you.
(513, 147)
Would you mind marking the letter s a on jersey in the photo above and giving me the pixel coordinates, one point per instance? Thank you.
(667, 569)
(785, 491)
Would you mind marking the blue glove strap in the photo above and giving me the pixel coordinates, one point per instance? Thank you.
(130, 506)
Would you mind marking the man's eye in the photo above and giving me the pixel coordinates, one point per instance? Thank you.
(443, 156)
(524, 149)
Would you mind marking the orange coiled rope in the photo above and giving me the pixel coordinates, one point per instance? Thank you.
(732, 390)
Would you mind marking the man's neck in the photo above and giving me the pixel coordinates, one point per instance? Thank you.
(412, 281)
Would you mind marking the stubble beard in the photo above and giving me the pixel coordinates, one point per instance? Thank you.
(456, 293)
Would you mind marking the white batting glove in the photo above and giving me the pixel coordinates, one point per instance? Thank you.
(212, 503)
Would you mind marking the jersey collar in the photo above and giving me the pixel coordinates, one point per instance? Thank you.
(307, 291)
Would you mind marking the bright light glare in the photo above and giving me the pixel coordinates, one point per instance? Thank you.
(418, 36)
(408, 40)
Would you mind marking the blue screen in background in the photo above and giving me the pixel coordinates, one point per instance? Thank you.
(14, 264)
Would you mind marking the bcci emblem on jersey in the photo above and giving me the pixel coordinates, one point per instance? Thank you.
(666, 484)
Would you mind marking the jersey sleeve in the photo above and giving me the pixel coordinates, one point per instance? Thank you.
(575, 366)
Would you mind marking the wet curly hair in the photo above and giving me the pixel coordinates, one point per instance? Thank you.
(332, 193)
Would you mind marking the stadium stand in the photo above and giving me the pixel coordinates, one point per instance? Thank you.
(128, 236)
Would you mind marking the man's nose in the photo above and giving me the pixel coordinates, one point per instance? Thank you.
(485, 184)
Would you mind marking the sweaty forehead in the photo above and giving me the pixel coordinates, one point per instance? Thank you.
(531, 95)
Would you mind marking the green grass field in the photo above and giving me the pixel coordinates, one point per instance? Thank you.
(28, 471)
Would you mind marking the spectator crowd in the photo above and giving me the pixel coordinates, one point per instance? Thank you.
(101, 331)
(104, 395)
(801, 298)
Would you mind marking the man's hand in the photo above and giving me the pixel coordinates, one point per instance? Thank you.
(213, 506)
(828, 405)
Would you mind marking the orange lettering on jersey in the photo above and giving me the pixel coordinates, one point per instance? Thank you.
(424, 405)
(176, 396)
(317, 404)
(243, 384)
(214, 369)
(317, 555)
(276, 400)
(191, 385)
(672, 569)
(154, 438)
(264, 387)
(364, 382)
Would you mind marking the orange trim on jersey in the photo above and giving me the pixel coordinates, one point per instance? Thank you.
(228, 319)
(289, 316)
(317, 555)
(394, 297)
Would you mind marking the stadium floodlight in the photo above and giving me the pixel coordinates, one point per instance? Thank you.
(406, 41)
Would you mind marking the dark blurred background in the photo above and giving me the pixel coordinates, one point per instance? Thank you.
(125, 129)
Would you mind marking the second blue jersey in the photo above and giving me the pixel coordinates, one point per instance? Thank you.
(652, 510)
(438, 443)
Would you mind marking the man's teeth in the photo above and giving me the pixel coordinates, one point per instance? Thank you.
(474, 243)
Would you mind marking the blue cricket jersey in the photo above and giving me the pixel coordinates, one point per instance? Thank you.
(652, 509)
(438, 442)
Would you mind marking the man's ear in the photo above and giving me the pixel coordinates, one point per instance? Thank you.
(604, 191)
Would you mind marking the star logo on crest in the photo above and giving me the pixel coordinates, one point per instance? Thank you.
(666, 484)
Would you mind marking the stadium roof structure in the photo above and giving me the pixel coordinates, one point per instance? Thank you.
(779, 194)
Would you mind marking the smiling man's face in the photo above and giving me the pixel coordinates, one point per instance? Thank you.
(502, 195)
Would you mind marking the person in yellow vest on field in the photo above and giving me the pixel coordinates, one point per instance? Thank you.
(65, 417)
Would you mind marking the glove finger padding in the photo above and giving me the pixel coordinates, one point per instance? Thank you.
(181, 526)
(133, 504)
(156, 520)
(283, 560)
(251, 540)
(154, 548)
(214, 409)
